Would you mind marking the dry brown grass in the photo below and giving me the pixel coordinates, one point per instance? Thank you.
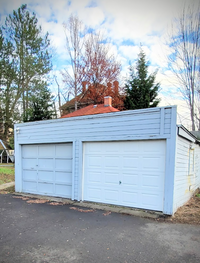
(188, 213)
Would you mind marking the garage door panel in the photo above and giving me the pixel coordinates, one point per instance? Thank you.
(130, 162)
(111, 161)
(130, 198)
(153, 146)
(29, 151)
(94, 161)
(46, 151)
(29, 163)
(111, 195)
(151, 181)
(29, 186)
(94, 194)
(153, 163)
(111, 178)
(134, 171)
(130, 179)
(94, 176)
(46, 176)
(29, 175)
(63, 151)
(45, 188)
(151, 200)
(63, 164)
(111, 150)
(95, 148)
(47, 169)
(63, 190)
(45, 163)
(63, 177)
(127, 149)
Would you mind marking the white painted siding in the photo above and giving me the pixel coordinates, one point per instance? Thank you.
(186, 179)
(145, 124)
(197, 165)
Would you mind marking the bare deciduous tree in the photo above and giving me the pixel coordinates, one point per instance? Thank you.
(73, 76)
(184, 61)
(101, 66)
(91, 61)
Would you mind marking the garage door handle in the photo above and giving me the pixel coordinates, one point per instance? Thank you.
(120, 182)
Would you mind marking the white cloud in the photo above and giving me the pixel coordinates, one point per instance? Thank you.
(129, 52)
(92, 16)
(138, 18)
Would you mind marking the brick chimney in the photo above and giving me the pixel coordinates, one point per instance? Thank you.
(107, 101)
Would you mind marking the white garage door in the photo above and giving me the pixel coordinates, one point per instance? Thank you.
(47, 169)
(127, 173)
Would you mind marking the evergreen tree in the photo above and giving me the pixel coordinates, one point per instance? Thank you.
(24, 61)
(141, 89)
(8, 91)
(41, 106)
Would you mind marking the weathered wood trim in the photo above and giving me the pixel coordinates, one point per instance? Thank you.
(100, 138)
(83, 175)
(170, 166)
(73, 168)
(80, 171)
(18, 164)
(185, 134)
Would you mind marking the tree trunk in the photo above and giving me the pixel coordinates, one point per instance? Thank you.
(192, 117)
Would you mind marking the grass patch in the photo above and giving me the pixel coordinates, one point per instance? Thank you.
(7, 175)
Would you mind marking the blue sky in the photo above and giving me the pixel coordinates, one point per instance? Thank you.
(127, 23)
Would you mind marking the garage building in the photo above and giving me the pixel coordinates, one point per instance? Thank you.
(135, 158)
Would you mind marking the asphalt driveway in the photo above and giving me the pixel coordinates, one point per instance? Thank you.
(46, 233)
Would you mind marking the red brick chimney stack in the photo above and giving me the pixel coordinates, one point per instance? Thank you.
(107, 101)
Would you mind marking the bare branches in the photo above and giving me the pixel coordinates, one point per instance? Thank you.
(73, 76)
(184, 61)
(101, 65)
(90, 60)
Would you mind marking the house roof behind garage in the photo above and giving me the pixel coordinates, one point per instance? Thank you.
(91, 110)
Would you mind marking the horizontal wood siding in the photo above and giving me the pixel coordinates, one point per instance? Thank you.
(197, 166)
(185, 182)
(112, 125)
(167, 121)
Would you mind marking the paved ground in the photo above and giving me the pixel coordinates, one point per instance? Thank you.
(46, 233)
